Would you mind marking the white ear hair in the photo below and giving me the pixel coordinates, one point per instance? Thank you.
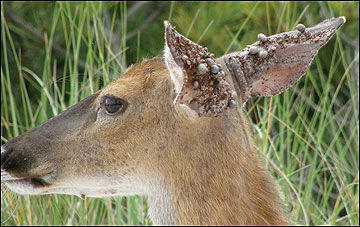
(176, 72)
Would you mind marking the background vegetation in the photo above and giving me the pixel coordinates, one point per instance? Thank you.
(53, 54)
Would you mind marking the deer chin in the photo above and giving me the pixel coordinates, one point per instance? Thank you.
(27, 185)
(46, 184)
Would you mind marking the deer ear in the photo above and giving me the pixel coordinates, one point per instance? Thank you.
(198, 79)
(273, 64)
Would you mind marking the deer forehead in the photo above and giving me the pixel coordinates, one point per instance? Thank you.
(140, 80)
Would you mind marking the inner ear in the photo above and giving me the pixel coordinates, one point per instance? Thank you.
(198, 79)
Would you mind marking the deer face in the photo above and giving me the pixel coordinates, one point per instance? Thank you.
(96, 143)
(113, 141)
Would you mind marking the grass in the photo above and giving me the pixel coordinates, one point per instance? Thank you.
(55, 54)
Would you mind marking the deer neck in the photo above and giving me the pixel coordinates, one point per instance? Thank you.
(213, 177)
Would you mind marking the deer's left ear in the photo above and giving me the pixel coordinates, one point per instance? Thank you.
(273, 64)
(198, 79)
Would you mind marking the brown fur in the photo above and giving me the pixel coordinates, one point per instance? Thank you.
(196, 172)
(214, 175)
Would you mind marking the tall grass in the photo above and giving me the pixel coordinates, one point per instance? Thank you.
(55, 54)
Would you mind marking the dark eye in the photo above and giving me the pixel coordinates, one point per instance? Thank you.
(114, 105)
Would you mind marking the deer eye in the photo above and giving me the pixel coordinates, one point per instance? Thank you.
(114, 105)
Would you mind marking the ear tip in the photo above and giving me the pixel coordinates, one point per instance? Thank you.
(168, 30)
(168, 26)
(331, 25)
(343, 19)
(340, 20)
(167, 23)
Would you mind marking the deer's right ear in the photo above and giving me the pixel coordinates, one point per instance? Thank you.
(197, 77)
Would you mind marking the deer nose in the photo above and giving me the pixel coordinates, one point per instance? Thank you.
(13, 161)
(4, 155)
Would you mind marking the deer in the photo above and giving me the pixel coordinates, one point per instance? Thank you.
(172, 128)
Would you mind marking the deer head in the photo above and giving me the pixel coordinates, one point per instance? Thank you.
(171, 128)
